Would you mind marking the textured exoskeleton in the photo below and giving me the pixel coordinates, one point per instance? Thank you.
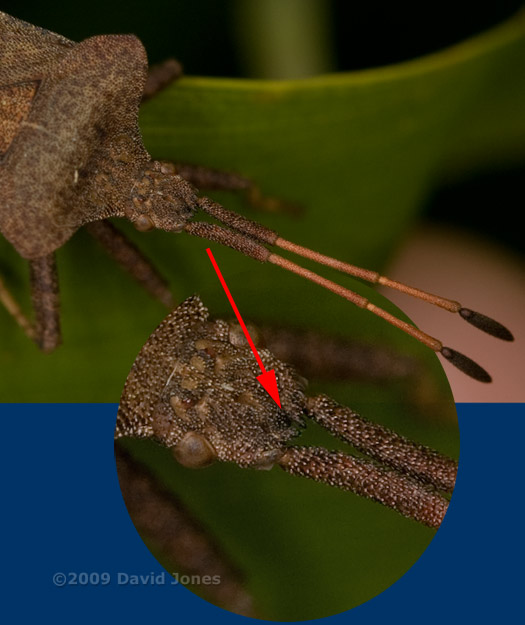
(71, 155)
(193, 388)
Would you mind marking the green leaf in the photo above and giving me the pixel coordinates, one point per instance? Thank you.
(357, 151)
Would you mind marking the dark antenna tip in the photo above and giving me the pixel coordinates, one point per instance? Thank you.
(465, 364)
(486, 324)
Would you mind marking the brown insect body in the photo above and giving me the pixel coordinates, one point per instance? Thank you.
(192, 382)
(72, 149)
(193, 388)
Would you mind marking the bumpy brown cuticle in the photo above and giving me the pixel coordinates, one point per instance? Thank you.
(70, 142)
(44, 293)
(402, 493)
(194, 389)
(256, 231)
(69, 126)
(383, 444)
(203, 383)
(231, 238)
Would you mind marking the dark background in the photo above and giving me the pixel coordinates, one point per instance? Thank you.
(204, 31)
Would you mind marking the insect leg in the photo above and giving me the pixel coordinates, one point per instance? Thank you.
(404, 494)
(160, 76)
(131, 260)
(45, 297)
(13, 308)
(327, 357)
(383, 444)
(209, 179)
(163, 518)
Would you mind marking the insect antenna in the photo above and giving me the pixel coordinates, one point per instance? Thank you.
(482, 322)
(249, 237)
(402, 493)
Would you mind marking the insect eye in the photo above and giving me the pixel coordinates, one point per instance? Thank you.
(194, 451)
(143, 223)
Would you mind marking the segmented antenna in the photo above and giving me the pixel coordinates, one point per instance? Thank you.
(250, 238)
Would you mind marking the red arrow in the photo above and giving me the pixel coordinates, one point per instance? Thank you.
(267, 378)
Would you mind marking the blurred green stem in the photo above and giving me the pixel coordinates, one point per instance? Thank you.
(284, 38)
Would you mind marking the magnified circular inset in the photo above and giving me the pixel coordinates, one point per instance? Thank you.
(267, 542)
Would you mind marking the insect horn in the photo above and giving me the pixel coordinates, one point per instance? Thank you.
(249, 237)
